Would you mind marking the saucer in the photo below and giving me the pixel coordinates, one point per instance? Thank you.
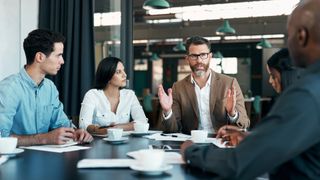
(146, 171)
(116, 141)
(139, 134)
(16, 151)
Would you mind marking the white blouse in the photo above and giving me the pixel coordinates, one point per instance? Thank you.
(96, 109)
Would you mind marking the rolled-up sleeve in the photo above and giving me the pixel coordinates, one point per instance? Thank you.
(9, 102)
(136, 111)
(86, 111)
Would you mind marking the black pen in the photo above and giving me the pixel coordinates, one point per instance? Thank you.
(101, 127)
(171, 135)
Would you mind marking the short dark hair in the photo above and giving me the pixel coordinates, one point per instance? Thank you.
(106, 69)
(197, 40)
(40, 40)
(280, 61)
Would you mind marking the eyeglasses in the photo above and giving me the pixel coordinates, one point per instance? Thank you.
(202, 56)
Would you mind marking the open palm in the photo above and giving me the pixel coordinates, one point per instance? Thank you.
(165, 99)
(231, 101)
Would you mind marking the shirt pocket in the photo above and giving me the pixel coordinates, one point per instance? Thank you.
(124, 117)
(101, 119)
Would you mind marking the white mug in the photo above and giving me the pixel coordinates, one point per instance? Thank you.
(141, 127)
(151, 159)
(199, 136)
(8, 144)
(115, 133)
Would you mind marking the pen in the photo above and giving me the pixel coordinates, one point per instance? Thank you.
(71, 125)
(171, 135)
(101, 127)
(240, 129)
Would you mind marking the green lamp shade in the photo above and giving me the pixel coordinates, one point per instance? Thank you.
(225, 29)
(179, 47)
(263, 44)
(218, 54)
(155, 4)
(154, 57)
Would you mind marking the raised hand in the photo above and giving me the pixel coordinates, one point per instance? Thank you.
(165, 100)
(231, 101)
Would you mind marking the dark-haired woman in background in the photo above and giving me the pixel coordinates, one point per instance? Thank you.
(281, 72)
(281, 75)
(108, 105)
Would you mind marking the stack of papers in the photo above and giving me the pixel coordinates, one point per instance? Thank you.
(169, 137)
(106, 163)
(169, 157)
(70, 146)
(183, 137)
(217, 142)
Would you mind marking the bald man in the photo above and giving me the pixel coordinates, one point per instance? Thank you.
(287, 142)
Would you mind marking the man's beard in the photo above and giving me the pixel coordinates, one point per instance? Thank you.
(201, 72)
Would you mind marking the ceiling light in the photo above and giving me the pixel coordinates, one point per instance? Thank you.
(179, 47)
(217, 54)
(155, 4)
(154, 57)
(263, 44)
(225, 29)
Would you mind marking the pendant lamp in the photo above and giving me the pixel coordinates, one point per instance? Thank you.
(263, 44)
(179, 47)
(225, 29)
(155, 4)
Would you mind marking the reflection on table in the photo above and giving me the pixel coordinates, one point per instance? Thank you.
(34, 165)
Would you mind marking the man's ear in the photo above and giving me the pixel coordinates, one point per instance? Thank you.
(39, 57)
(303, 36)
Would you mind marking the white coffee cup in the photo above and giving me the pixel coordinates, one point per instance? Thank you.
(8, 144)
(199, 136)
(141, 127)
(115, 133)
(151, 159)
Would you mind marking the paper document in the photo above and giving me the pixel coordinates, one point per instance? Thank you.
(71, 143)
(169, 157)
(217, 142)
(168, 137)
(56, 149)
(105, 163)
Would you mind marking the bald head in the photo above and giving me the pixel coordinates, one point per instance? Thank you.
(304, 33)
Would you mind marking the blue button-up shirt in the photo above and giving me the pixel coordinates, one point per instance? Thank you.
(27, 108)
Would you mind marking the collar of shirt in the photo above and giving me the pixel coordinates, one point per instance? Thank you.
(24, 75)
(208, 83)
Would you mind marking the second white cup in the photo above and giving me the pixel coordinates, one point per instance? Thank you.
(8, 144)
(140, 127)
(151, 159)
(115, 133)
(199, 136)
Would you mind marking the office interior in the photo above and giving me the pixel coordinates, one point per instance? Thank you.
(147, 40)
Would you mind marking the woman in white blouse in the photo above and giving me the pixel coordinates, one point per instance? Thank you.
(108, 105)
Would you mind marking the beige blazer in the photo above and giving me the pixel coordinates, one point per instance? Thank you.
(185, 116)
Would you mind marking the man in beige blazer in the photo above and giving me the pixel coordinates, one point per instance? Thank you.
(204, 99)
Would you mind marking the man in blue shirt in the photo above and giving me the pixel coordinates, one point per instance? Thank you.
(30, 108)
(287, 142)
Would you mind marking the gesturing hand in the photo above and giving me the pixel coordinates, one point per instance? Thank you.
(231, 101)
(60, 135)
(231, 134)
(83, 136)
(165, 100)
